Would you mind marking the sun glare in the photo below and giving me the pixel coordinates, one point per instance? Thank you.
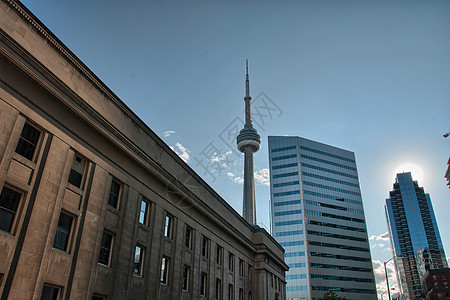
(416, 171)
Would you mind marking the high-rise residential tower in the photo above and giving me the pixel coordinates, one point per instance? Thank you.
(317, 216)
(248, 141)
(415, 239)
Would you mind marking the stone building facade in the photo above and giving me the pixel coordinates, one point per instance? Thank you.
(94, 205)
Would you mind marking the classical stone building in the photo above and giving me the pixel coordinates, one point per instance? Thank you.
(94, 205)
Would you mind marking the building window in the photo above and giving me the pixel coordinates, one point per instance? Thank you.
(77, 171)
(230, 292)
(164, 270)
(98, 297)
(188, 237)
(168, 224)
(218, 289)
(114, 193)
(241, 294)
(241, 267)
(105, 248)
(144, 212)
(205, 246)
(230, 261)
(138, 259)
(1, 278)
(250, 273)
(28, 141)
(249, 295)
(219, 255)
(203, 284)
(186, 278)
(63, 230)
(9, 203)
(50, 292)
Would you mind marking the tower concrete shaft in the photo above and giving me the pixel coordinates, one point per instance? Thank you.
(248, 142)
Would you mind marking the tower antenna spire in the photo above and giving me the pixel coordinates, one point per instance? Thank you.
(247, 81)
(248, 142)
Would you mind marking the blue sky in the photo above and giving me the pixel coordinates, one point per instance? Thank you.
(367, 76)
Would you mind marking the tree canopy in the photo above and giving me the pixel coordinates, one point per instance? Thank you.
(330, 295)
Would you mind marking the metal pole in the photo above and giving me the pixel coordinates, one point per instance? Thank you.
(387, 280)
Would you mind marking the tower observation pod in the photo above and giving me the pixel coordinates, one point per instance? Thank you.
(248, 142)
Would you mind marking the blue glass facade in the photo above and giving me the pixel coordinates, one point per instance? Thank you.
(318, 217)
(414, 234)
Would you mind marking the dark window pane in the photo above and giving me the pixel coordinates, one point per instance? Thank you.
(49, 293)
(186, 278)
(137, 261)
(6, 220)
(187, 238)
(9, 202)
(219, 255)
(205, 247)
(63, 232)
(77, 171)
(203, 282)
(28, 141)
(105, 248)
(75, 178)
(114, 194)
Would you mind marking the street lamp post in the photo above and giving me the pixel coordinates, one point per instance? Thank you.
(382, 294)
(387, 280)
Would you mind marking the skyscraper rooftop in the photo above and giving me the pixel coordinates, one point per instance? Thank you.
(415, 239)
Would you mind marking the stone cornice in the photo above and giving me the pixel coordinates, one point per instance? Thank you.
(65, 52)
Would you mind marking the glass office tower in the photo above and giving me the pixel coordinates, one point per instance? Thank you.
(317, 216)
(415, 239)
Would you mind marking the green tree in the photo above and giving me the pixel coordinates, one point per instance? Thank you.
(330, 295)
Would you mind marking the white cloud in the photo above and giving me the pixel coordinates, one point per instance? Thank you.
(235, 178)
(238, 180)
(262, 176)
(221, 159)
(381, 237)
(182, 152)
(168, 133)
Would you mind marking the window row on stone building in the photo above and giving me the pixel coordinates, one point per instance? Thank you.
(11, 202)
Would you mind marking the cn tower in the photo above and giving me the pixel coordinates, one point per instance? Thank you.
(248, 142)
